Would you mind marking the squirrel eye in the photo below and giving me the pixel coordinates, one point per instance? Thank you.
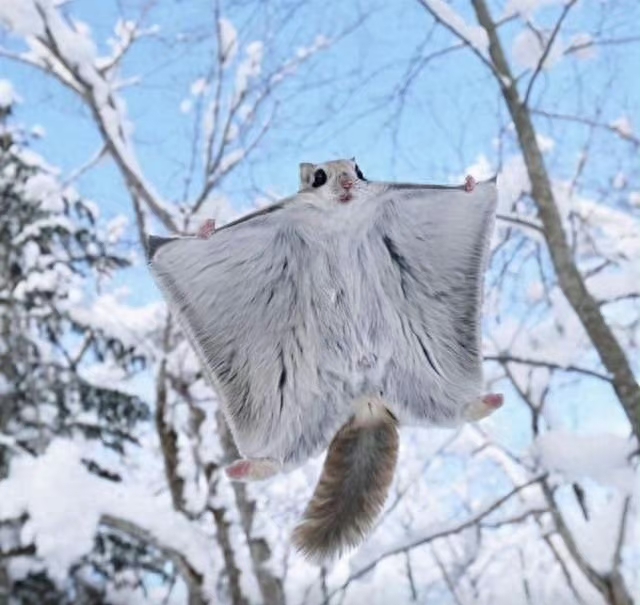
(359, 173)
(319, 178)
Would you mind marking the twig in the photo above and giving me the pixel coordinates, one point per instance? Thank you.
(504, 358)
(547, 50)
(455, 529)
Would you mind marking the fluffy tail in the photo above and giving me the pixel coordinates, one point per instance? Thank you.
(353, 487)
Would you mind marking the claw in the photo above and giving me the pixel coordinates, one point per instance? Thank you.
(207, 229)
(469, 184)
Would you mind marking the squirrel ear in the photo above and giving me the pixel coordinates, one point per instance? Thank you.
(306, 170)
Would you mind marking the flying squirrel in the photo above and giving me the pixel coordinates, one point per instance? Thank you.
(331, 318)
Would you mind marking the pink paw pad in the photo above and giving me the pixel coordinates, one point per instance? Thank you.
(493, 400)
(206, 229)
(469, 184)
(255, 469)
(239, 470)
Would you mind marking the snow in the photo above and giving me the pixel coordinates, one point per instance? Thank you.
(228, 41)
(45, 189)
(77, 50)
(481, 170)
(21, 17)
(475, 35)
(528, 49)
(545, 143)
(231, 159)
(623, 126)
(527, 8)
(232, 133)
(625, 282)
(116, 228)
(63, 531)
(249, 68)
(596, 539)
(65, 503)
(513, 181)
(619, 180)
(8, 96)
(209, 120)
(129, 324)
(38, 131)
(198, 87)
(603, 457)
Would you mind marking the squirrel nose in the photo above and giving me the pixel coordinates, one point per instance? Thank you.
(346, 181)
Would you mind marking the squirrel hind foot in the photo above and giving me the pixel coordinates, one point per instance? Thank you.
(254, 469)
(483, 407)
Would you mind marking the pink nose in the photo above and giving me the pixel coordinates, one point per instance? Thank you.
(346, 182)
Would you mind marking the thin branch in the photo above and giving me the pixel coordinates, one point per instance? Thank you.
(547, 50)
(508, 358)
(462, 38)
(601, 42)
(516, 220)
(622, 297)
(565, 533)
(565, 570)
(88, 165)
(66, 71)
(448, 531)
(627, 136)
(18, 551)
(133, 33)
(445, 574)
(617, 553)
(534, 512)
(192, 577)
(43, 64)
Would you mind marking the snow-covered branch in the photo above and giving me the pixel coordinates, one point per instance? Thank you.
(64, 50)
(232, 97)
(472, 36)
(63, 533)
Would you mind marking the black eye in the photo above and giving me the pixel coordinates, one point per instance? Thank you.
(359, 173)
(319, 178)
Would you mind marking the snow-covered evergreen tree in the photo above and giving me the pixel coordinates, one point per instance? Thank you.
(58, 362)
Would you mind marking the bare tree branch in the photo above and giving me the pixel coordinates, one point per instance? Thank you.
(564, 569)
(436, 535)
(627, 136)
(493, 68)
(540, 363)
(556, 30)
(569, 278)
(192, 577)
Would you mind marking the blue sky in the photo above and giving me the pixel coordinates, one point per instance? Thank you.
(450, 113)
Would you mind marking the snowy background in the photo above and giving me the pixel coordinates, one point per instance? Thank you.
(120, 118)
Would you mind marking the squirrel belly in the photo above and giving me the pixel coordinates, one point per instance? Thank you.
(354, 483)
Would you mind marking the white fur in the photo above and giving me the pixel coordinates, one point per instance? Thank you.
(299, 312)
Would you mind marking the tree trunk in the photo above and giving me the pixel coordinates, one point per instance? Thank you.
(612, 586)
(270, 585)
(570, 279)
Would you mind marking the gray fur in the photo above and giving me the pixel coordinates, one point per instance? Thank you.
(304, 307)
(353, 487)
